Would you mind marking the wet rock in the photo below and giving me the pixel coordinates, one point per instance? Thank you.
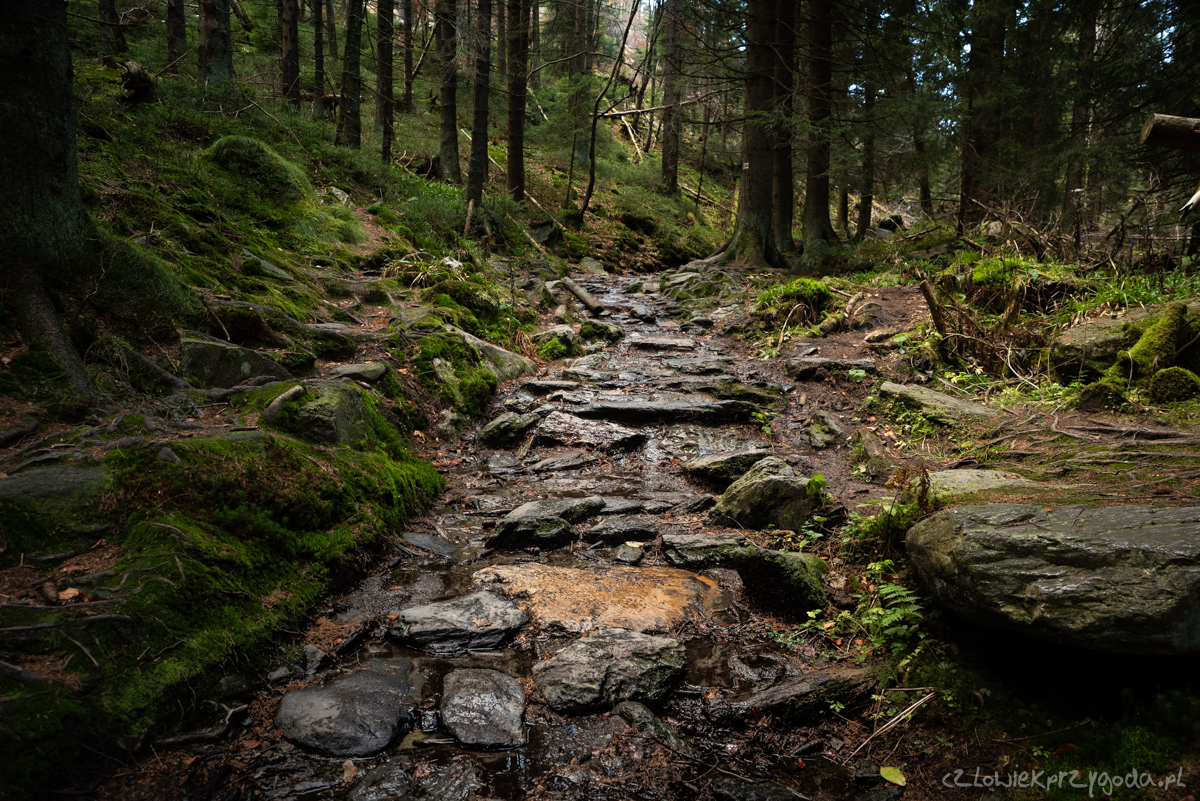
(703, 550)
(563, 333)
(784, 581)
(643, 313)
(664, 343)
(824, 430)
(942, 408)
(506, 429)
(806, 367)
(387, 782)
(610, 666)
(457, 781)
(357, 716)
(591, 266)
(722, 469)
(504, 364)
(651, 725)
(235, 686)
(571, 600)
(1086, 351)
(601, 331)
(572, 430)
(430, 542)
(315, 660)
(622, 506)
(769, 494)
(620, 528)
(221, 364)
(370, 373)
(805, 697)
(948, 486)
(543, 524)
(701, 365)
(1120, 579)
(694, 505)
(629, 553)
(484, 708)
(645, 411)
(282, 675)
(697, 325)
(546, 387)
(570, 460)
(502, 462)
(478, 622)
(337, 414)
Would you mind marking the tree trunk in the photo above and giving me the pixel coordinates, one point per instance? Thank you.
(349, 131)
(477, 167)
(534, 37)
(578, 97)
(1179, 133)
(447, 44)
(318, 7)
(985, 66)
(518, 55)
(385, 32)
(501, 41)
(406, 104)
(866, 190)
(215, 44)
(783, 189)
(240, 13)
(112, 36)
(670, 131)
(753, 240)
(176, 35)
(43, 227)
(289, 49)
(818, 230)
(331, 28)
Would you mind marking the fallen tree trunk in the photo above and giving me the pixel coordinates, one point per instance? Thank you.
(1178, 133)
(594, 306)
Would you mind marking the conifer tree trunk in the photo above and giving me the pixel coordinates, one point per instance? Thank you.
(518, 56)
(501, 41)
(215, 44)
(783, 190)
(818, 230)
(331, 28)
(670, 123)
(533, 61)
(578, 98)
(42, 222)
(112, 35)
(984, 115)
(384, 102)
(1073, 200)
(447, 45)
(176, 35)
(477, 167)
(349, 132)
(866, 190)
(318, 8)
(289, 50)
(406, 104)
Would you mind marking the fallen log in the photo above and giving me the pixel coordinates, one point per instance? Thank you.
(1178, 133)
(594, 306)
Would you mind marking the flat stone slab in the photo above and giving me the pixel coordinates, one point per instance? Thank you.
(703, 550)
(563, 461)
(701, 365)
(573, 600)
(482, 621)
(646, 411)
(357, 716)
(942, 408)
(808, 696)
(484, 708)
(1122, 579)
(569, 429)
(546, 387)
(545, 523)
(806, 367)
(621, 528)
(722, 469)
(664, 343)
(370, 373)
(948, 485)
(608, 667)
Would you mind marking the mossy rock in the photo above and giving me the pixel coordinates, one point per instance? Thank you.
(1100, 396)
(1174, 384)
(473, 296)
(1155, 349)
(784, 581)
(272, 175)
(554, 350)
(600, 331)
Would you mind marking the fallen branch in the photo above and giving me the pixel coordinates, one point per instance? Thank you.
(594, 306)
(891, 724)
(207, 735)
(19, 673)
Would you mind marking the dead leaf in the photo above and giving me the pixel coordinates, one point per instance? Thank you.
(393, 615)
(893, 776)
(69, 594)
(68, 569)
(349, 770)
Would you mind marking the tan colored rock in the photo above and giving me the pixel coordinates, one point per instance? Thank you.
(572, 600)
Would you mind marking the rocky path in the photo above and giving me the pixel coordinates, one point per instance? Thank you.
(584, 615)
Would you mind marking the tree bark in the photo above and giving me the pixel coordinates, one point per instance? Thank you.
(670, 127)
(240, 13)
(578, 78)
(783, 190)
(1180, 133)
(985, 66)
(518, 55)
(43, 228)
(534, 36)
(477, 167)
(289, 50)
(215, 46)
(318, 8)
(501, 41)
(447, 45)
(406, 105)
(176, 35)
(818, 230)
(349, 132)
(385, 32)
(866, 190)
(331, 28)
(112, 36)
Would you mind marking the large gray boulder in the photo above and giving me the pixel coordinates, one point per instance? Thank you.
(484, 708)
(940, 407)
(608, 667)
(51, 500)
(769, 494)
(722, 469)
(357, 716)
(544, 524)
(478, 622)
(506, 429)
(1086, 351)
(504, 364)
(222, 364)
(337, 414)
(1123, 579)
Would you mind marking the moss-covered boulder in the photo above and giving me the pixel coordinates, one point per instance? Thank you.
(1156, 348)
(784, 581)
(50, 506)
(272, 175)
(1174, 384)
(722, 469)
(221, 364)
(335, 413)
(769, 494)
(600, 331)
